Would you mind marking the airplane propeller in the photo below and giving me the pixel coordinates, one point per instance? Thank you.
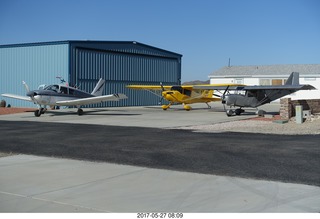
(224, 94)
(228, 112)
(31, 94)
(26, 86)
(162, 88)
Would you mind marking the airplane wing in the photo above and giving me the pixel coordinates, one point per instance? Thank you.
(168, 87)
(256, 87)
(26, 98)
(149, 87)
(281, 87)
(91, 100)
(218, 86)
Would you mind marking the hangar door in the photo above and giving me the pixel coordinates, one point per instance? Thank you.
(122, 68)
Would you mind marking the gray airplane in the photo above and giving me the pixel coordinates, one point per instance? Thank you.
(63, 95)
(255, 96)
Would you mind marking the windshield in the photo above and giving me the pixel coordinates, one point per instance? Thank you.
(54, 88)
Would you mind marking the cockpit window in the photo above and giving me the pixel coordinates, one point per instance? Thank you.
(64, 90)
(177, 88)
(187, 92)
(251, 93)
(181, 90)
(54, 88)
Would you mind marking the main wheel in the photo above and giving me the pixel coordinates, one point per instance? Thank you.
(238, 111)
(80, 112)
(43, 110)
(187, 107)
(230, 112)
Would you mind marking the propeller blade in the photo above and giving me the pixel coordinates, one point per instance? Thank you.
(31, 94)
(162, 88)
(216, 95)
(26, 86)
(160, 101)
(224, 93)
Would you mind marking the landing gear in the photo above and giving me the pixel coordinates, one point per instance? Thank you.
(165, 107)
(39, 111)
(229, 112)
(187, 107)
(260, 112)
(237, 112)
(80, 112)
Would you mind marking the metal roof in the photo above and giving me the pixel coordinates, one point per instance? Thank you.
(266, 70)
(115, 45)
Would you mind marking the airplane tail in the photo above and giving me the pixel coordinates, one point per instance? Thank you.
(98, 89)
(293, 79)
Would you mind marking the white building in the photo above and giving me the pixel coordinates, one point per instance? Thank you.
(271, 75)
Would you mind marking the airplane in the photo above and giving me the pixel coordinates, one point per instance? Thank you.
(64, 95)
(255, 96)
(181, 94)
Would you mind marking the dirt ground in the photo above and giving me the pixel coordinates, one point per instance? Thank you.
(12, 110)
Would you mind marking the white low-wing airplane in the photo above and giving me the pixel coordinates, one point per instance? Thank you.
(62, 95)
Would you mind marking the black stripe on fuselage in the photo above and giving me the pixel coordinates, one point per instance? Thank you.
(76, 94)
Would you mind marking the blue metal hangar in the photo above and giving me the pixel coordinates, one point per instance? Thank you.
(82, 63)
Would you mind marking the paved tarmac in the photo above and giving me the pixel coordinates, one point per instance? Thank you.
(139, 169)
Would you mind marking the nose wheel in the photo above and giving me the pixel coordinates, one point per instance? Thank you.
(237, 112)
(39, 111)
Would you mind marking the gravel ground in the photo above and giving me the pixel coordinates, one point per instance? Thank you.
(310, 127)
(3, 154)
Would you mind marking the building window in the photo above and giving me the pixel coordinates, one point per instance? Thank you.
(277, 81)
(310, 79)
(265, 82)
(238, 80)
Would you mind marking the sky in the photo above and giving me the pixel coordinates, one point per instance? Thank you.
(206, 32)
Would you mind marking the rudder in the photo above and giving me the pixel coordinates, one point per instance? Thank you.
(293, 79)
(98, 89)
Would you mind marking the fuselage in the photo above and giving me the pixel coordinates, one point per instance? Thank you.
(177, 94)
(255, 98)
(51, 94)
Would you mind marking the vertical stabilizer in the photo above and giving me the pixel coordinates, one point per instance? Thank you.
(293, 79)
(98, 89)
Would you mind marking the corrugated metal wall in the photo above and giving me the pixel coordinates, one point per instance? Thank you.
(121, 64)
(33, 63)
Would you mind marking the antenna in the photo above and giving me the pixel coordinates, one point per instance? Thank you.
(229, 63)
(61, 79)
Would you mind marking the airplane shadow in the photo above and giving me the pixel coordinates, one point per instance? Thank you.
(176, 108)
(89, 113)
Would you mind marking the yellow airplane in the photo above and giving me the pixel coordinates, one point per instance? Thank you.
(182, 94)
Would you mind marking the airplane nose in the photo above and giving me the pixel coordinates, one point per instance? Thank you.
(229, 100)
(31, 94)
(168, 95)
(225, 99)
